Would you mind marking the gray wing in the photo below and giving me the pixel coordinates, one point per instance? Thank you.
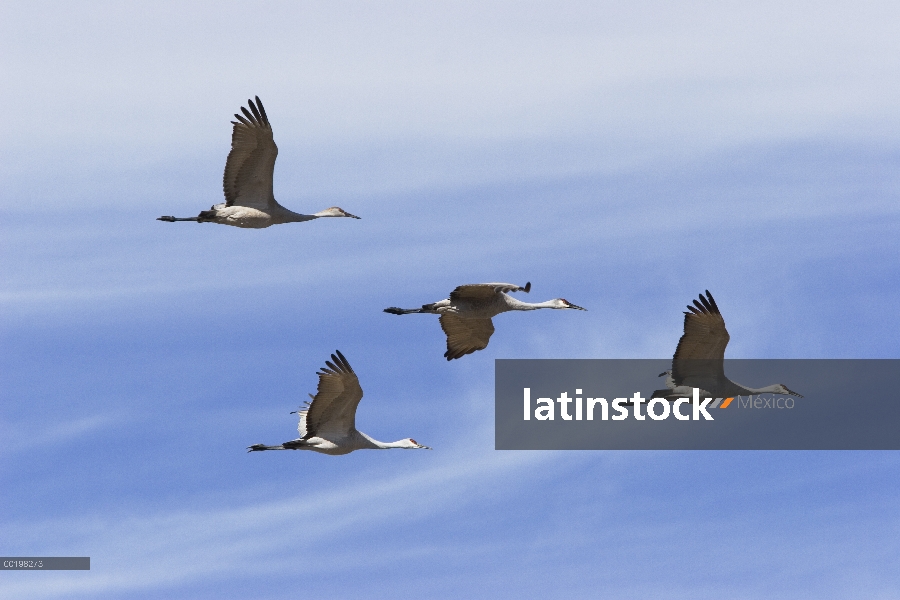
(701, 349)
(465, 336)
(333, 408)
(486, 290)
(251, 162)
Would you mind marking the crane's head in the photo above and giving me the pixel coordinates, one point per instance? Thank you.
(563, 303)
(411, 444)
(780, 388)
(335, 211)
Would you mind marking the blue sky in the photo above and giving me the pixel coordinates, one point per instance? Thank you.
(625, 156)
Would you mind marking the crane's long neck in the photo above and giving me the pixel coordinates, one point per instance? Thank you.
(289, 216)
(397, 444)
(744, 390)
(376, 445)
(514, 304)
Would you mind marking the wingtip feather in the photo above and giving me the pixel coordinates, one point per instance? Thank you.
(248, 114)
(345, 364)
(262, 110)
(255, 111)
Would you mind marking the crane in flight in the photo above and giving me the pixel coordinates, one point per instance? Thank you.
(699, 360)
(466, 314)
(249, 200)
(328, 423)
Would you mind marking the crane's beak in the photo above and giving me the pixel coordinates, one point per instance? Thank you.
(576, 307)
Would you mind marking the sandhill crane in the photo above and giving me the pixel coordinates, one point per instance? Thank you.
(466, 314)
(699, 360)
(328, 423)
(249, 201)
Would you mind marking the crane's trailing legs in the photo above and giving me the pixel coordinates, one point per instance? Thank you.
(428, 308)
(173, 219)
(255, 447)
(291, 445)
(205, 216)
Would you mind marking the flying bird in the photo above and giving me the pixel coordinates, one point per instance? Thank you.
(328, 423)
(699, 360)
(466, 314)
(249, 201)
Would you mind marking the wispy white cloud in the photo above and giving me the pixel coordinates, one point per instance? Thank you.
(408, 97)
(131, 552)
(21, 436)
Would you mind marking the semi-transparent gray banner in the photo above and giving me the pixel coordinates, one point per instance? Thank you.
(608, 405)
(45, 563)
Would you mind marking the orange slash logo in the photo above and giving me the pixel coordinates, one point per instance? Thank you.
(719, 404)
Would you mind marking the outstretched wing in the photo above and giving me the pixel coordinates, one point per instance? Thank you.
(701, 349)
(486, 290)
(465, 336)
(333, 408)
(301, 414)
(251, 162)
